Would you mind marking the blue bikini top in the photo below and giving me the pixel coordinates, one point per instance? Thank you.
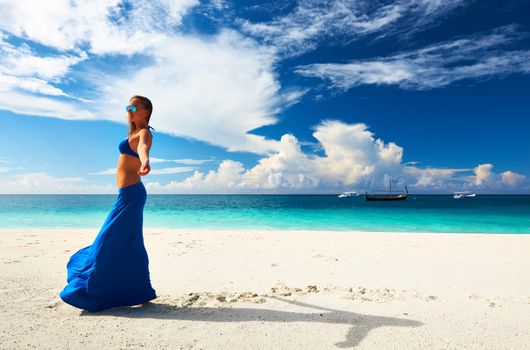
(125, 148)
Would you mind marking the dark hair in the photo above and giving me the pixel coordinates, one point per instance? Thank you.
(146, 103)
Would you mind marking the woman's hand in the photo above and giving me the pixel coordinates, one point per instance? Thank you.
(145, 168)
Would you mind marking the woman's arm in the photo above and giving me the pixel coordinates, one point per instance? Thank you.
(144, 145)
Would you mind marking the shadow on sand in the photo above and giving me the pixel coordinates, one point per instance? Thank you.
(360, 324)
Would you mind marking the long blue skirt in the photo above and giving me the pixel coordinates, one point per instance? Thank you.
(114, 270)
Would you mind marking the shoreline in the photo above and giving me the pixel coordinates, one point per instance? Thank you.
(279, 289)
(244, 229)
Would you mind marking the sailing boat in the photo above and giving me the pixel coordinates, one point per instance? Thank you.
(389, 196)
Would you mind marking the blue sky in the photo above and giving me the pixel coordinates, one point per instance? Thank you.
(275, 97)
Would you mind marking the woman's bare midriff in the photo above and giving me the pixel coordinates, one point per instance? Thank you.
(128, 166)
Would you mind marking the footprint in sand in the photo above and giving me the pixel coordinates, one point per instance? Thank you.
(329, 258)
(283, 290)
(385, 294)
(53, 304)
(12, 262)
(222, 299)
(489, 302)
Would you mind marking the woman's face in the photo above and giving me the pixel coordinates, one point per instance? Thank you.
(140, 116)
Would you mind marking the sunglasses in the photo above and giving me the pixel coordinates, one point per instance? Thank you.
(131, 108)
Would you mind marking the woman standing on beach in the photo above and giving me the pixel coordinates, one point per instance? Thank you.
(114, 270)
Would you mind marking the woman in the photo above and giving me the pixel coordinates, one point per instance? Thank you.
(113, 271)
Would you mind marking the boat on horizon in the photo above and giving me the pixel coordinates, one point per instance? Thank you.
(348, 194)
(464, 194)
(389, 196)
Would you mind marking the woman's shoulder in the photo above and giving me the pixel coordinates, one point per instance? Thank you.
(144, 133)
(144, 130)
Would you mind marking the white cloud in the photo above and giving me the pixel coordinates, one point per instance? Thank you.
(434, 178)
(28, 80)
(211, 88)
(353, 159)
(106, 26)
(511, 178)
(311, 22)
(22, 61)
(29, 84)
(109, 171)
(478, 56)
(26, 103)
(225, 179)
(219, 88)
(154, 160)
(22, 70)
(219, 5)
(43, 183)
(214, 89)
(352, 153)
(172, 170)
(156, 171)
(483, 174)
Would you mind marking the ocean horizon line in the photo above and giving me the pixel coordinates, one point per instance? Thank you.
(253, 194)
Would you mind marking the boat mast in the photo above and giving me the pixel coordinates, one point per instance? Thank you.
(390, 185)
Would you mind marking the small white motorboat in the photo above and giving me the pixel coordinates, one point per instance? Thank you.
(348, 194)
(464, 194)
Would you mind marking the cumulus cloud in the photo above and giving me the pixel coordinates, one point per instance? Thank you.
(477, 56)
(311, 21)
(434, 178)
(353, 159)
(353, 156)
(483, 174)
(511, 178)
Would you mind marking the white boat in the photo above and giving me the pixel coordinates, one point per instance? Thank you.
(464, 194)
(348, 194)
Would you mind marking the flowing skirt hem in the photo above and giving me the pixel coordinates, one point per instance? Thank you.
(82, 300)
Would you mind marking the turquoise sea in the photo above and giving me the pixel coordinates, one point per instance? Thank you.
(420, 213)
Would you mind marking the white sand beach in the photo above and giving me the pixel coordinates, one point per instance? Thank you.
(259, 289)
